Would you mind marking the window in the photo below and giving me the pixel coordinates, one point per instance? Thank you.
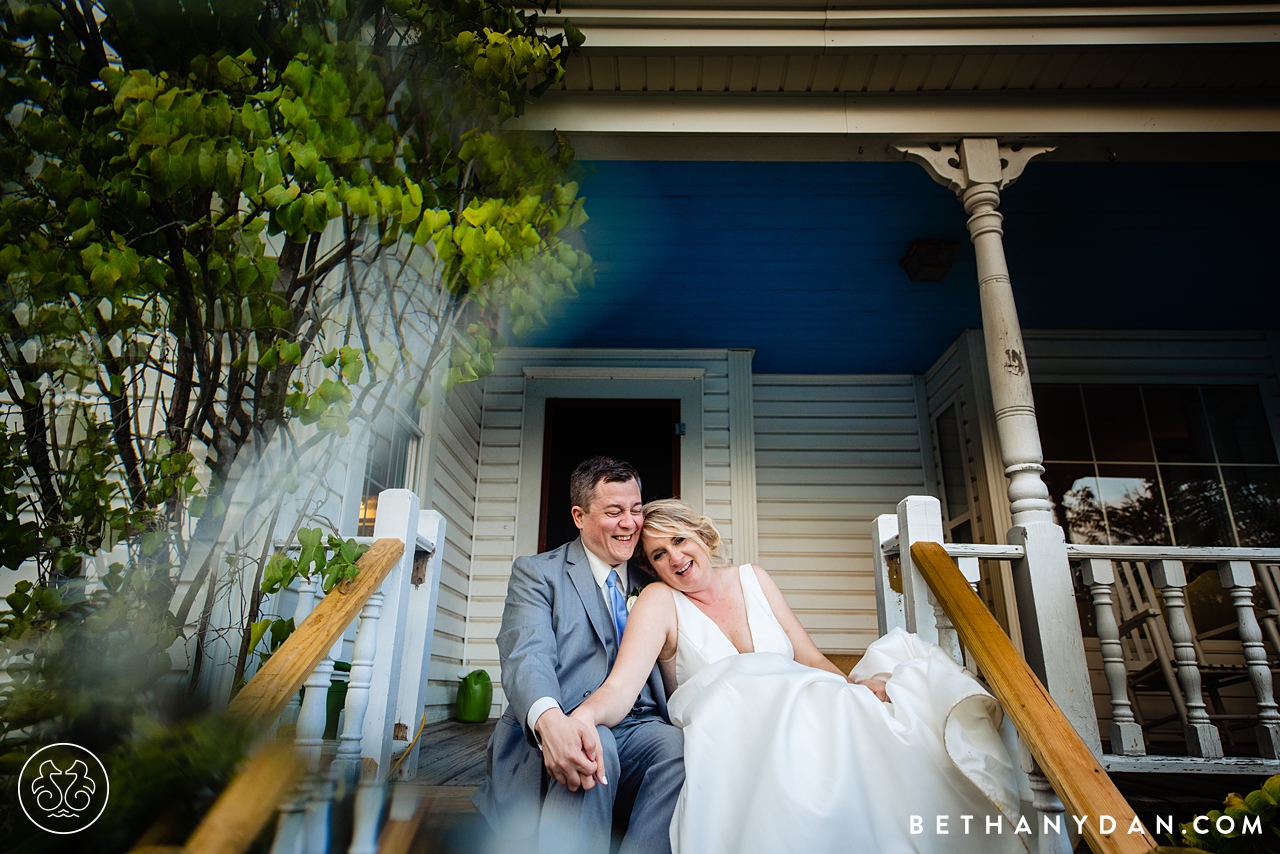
(1160, 464)
(955, 480)
(395, 437)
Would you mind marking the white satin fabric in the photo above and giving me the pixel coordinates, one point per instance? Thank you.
(780, 757)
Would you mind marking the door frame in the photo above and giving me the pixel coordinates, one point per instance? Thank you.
(684, 384)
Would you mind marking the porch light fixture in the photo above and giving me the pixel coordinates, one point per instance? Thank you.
(929, 260)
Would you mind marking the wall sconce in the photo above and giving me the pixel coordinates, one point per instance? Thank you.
(929, 260)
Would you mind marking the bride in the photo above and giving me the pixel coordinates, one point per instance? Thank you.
(781, 752)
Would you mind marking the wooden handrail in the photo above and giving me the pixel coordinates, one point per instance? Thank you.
(1065, 759)
(247, 804)
(264, 697)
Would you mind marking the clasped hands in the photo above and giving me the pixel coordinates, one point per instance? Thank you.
(571, 749)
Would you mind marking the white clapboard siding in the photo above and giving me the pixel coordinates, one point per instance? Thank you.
(456, 452)
(832, 453)
(498, 516)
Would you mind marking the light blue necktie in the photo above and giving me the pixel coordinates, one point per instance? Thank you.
(617, 602)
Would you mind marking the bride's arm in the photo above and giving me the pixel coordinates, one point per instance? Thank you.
(651, 631)
(806, 651)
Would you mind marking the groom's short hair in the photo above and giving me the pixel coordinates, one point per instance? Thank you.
(591, 473)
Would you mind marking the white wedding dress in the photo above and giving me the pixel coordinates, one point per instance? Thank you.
(780, 757)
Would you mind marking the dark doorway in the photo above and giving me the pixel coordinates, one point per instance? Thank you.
(642, 432)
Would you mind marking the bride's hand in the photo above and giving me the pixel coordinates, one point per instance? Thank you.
(591, 741)
(877, 687)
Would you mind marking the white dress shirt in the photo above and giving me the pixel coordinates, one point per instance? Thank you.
(600, 571)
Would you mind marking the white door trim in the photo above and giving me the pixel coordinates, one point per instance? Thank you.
(687, 388)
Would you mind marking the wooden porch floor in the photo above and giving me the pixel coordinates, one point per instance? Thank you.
(453, 753)
(451, 764)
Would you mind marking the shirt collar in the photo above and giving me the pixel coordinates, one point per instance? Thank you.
(600, 570)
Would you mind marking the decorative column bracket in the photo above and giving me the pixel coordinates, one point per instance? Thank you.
(944, 163)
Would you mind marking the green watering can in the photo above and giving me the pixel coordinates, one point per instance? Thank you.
(475, 697)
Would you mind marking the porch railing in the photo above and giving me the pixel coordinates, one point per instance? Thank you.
(1061, 756)
(1146, 585)
(394, 598)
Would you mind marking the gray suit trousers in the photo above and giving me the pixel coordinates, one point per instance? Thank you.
(644, 762)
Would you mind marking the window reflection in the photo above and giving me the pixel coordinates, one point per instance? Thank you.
(1254, 493)
(1074, 492)
(1133, 505)
(1213, 478)
(1197, 506)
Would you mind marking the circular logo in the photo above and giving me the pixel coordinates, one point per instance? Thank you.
(63, 788)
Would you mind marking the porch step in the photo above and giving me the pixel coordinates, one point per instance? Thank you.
(435, 819)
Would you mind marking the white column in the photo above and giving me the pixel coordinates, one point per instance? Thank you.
(398, 516)
(977, 170)
(419, 631)
(742, 458)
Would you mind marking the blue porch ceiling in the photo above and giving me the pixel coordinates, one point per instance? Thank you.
(800, 260)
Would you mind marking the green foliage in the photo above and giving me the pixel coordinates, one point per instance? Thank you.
(221, 224)
(1261, 806)
(334, 562)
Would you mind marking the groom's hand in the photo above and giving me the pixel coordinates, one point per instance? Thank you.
(565, 745)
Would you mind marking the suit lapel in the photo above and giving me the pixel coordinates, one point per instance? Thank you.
(592, 602)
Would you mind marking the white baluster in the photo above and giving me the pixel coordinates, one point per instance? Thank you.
(1271, 620)
(948, 640)
(1048, 806)
(315, 837)
(368, 811)
(1202, 736)
(1126, 734)
(306, 601)
(1237, 578)
(290, 827)
(309, 728)
(347, 761)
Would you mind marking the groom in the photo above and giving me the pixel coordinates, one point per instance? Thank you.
(564, 615)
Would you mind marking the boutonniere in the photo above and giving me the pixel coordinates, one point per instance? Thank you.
(632, 597)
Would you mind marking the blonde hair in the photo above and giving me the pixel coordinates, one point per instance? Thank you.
(673, 518)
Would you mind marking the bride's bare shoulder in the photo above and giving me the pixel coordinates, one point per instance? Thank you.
(655, 591)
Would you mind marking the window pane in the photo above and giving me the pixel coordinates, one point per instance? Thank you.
(1178, 425)
(1074, 492)
(1197, 505)
(379, 459)
(1116, 422)
(1255, 503)
(955, 485)
(1063, 434)
(1239, 426)
(1131, 496)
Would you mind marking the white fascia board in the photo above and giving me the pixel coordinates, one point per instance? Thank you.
(710, 28)
(1055, 36)
(656, 39)
(943, 116)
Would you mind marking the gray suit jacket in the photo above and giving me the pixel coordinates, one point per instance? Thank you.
(557, 640)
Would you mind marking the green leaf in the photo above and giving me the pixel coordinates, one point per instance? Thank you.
(256, 631)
